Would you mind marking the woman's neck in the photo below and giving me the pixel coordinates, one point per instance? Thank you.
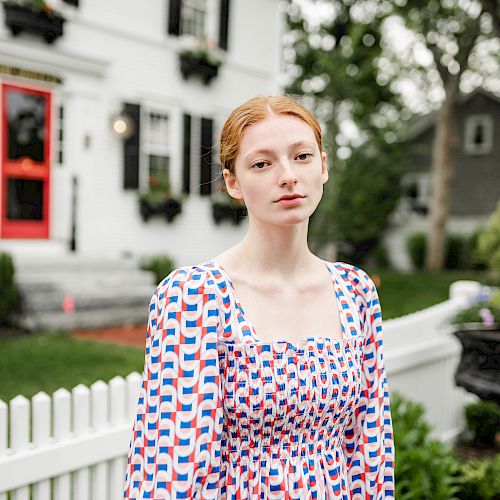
(280, 251)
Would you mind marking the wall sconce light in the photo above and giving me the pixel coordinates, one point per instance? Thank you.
(122, 125)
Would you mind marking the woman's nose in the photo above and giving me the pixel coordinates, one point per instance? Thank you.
(287, 173)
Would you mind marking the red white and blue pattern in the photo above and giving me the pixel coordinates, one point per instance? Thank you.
(222, 414)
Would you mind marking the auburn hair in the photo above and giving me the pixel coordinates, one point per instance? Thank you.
(255, 110)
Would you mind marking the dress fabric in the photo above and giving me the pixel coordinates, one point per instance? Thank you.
(222, 414)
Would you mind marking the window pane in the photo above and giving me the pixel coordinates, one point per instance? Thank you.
(159, 172)
(194, 17)
(158, 129)
(24, 199)
(25, 125)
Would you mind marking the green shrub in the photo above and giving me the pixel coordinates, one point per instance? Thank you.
(480, 479)
(415, 244)
(489, 241)
(380, 257)
(160, 265)
(425, 468)
(459, 251)
(9, 296)
(483, 419)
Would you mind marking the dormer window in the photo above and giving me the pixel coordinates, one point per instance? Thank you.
(478, 134)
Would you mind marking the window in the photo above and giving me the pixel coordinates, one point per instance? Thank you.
(206, 20)
(417, 190)
(194, 18)
(156, 148)
(478, 134)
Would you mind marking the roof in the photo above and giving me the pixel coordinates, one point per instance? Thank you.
(421, 123)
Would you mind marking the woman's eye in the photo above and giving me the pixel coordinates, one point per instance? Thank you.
(259, 164)
(304, 156)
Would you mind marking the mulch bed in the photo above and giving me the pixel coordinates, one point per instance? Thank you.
(126, 335)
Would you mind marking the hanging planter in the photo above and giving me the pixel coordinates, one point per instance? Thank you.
(199, 63)
(33, 17)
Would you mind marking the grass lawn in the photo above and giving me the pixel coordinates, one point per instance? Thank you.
(46, 362)
(405, 293)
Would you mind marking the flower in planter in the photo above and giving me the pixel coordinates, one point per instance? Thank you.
(203, 51)
(159, 190)
(36, 6)
(484, 313)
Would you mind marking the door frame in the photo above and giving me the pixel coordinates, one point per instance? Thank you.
(26, 168)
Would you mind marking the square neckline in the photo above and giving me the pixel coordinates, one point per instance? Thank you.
(305, 340)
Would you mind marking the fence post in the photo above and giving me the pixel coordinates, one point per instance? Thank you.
(99, 392)
(118, 416)
(40, 407)
(81, 416)
(3, 436)
(134, 381)
(19, 435)
(62, 430)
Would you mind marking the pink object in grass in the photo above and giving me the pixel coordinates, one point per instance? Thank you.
(68, 304)
(486, 316)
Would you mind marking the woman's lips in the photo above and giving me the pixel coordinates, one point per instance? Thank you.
(290, 202)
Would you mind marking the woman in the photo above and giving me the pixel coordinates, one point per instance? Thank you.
(264, 373)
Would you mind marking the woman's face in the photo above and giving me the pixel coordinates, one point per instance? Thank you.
(278, 156)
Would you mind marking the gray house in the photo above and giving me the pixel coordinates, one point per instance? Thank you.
(475, 187)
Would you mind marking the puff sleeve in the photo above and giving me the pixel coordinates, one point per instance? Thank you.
(175, 445)
(368, 441)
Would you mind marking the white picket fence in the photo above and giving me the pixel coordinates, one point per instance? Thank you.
(77, 443)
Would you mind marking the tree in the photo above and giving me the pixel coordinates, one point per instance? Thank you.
(450, 30)
(335, 65)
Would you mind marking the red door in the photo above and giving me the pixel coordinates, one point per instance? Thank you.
(25, 177)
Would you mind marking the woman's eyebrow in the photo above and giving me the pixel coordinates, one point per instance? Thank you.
(265, 151)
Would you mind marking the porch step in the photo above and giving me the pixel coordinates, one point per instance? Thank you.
(76, 293)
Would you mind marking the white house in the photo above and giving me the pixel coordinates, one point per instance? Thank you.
(69, 181)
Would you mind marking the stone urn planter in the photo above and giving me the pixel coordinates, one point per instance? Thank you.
(479, 368)
(45, 23)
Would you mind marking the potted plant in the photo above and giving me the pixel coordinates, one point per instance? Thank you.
(201, 61)
(225, 207)
(478, 329)
(33, 16)
(158, 200)
(483, 420)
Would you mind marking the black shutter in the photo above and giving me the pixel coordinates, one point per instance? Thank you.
(206, 157)
(131, 148)
(71, 2)
(174, 17)
(223, 23)
(186, 154)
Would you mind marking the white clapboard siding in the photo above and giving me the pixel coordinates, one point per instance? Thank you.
(85, 453)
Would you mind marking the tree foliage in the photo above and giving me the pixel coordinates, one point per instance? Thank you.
(335, 66)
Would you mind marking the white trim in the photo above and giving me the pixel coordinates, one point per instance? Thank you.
(34, 58)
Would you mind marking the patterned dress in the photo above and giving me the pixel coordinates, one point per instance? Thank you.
(222, 414)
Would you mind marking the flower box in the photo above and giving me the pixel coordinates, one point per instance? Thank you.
(45, 23)
(168, 207)
(228, 211)
(198, 64)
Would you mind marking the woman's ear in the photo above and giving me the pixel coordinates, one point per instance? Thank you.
(232, 185)
(324, 167)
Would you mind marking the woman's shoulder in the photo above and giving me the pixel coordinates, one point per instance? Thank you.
(195, 278)
(356, 279)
